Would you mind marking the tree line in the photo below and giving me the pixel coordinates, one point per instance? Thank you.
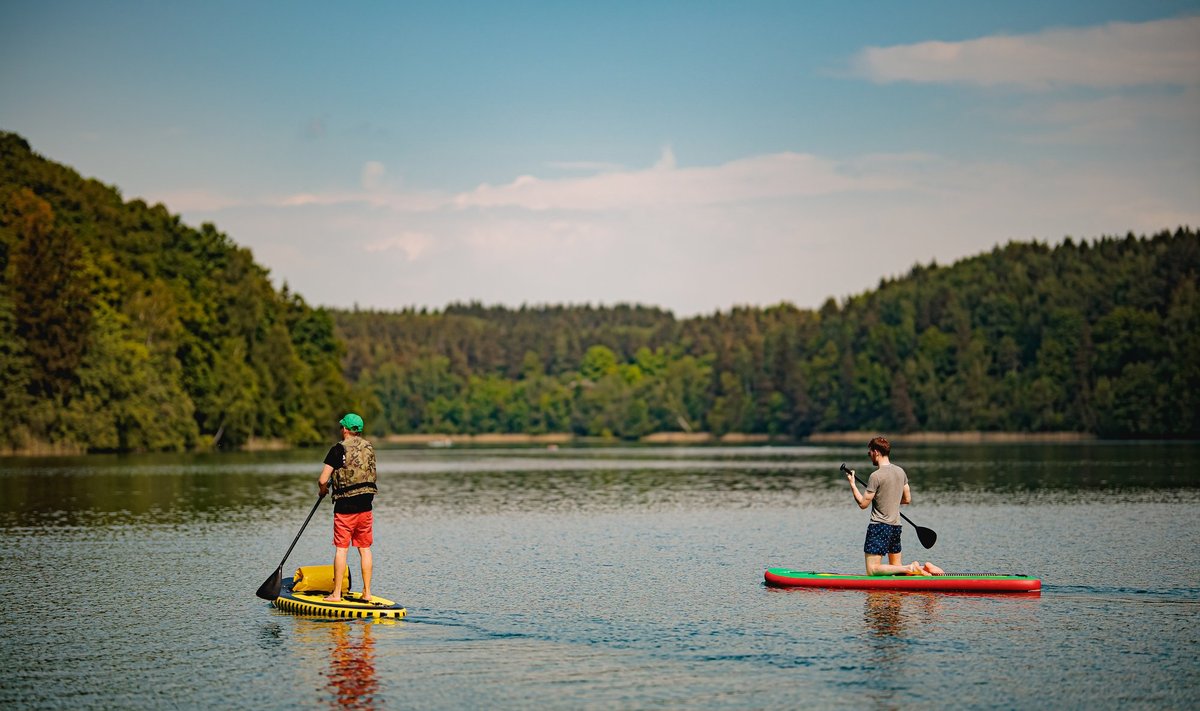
(123, 329)
(1097, 336)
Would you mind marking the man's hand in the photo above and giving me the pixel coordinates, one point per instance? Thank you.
(323, 488)
(863, 501)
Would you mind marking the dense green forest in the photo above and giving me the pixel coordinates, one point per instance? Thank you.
(122, 329)
(1095, 336)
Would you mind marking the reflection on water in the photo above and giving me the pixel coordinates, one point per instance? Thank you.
(892, 622)
(344, 653)
(882, 613)
(895, 621)
(351, 675)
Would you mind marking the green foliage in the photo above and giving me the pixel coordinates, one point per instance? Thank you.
(127, 398)
(1101, 337)
(123, 329)
(49, 289)
(16, 373)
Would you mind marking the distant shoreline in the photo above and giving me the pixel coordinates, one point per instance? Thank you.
(697, 438)
(434, 440)
(661, 438)
(445, 440)
(952, 437)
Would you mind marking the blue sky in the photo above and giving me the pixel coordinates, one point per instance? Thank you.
(689, 155)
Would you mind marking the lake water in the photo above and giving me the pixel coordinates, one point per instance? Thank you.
(604, 578)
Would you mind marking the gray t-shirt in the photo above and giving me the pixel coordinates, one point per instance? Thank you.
(888, 483)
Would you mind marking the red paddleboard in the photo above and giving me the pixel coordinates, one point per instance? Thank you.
(964, 582)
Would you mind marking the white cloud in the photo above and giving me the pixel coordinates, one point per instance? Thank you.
(1117, 54)
(664, 184)
(779, 175)
(666, 161)
(395, 200)
(372, 175)
(411, 244)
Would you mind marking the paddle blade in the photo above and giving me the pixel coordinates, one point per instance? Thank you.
(927, 536)
(269, 590)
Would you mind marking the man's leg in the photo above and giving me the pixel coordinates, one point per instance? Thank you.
(876, 566)
(367, 563)
(339, 572)
(881, 539)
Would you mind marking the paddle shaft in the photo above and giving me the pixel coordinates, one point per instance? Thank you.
(310, 515)
(269, 590)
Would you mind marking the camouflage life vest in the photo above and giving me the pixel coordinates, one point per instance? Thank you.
(357, 474)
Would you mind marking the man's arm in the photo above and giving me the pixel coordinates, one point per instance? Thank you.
(323, 480)
(864, 500)
(906, 497)
(333, 459)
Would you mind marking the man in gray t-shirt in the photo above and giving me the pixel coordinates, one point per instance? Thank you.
(887, 489)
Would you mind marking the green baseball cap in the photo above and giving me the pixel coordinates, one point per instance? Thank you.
(351, 422)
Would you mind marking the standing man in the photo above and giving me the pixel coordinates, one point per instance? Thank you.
(350, 467)
(887, 489)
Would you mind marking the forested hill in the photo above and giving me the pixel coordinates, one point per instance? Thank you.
(123, 329)
(1095, 336)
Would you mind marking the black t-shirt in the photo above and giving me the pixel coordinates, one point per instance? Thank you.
(353, 504)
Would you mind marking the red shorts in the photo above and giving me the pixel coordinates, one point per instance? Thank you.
(353, 530)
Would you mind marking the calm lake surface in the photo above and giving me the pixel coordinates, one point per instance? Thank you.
(604, 578)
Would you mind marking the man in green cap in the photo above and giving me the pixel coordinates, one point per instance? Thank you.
(350, 468)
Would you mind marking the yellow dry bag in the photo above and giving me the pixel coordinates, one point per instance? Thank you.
(318, 578)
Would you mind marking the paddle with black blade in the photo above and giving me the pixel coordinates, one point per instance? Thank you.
(927, 536)
(269, 590)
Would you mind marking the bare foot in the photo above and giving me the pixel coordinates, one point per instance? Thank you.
(931, 569)
(333, 598)
(365, 597)
(915, 569)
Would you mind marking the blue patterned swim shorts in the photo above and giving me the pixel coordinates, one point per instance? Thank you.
(882, 538)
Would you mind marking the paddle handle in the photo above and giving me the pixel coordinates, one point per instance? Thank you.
(297, 538)
(850, 471)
